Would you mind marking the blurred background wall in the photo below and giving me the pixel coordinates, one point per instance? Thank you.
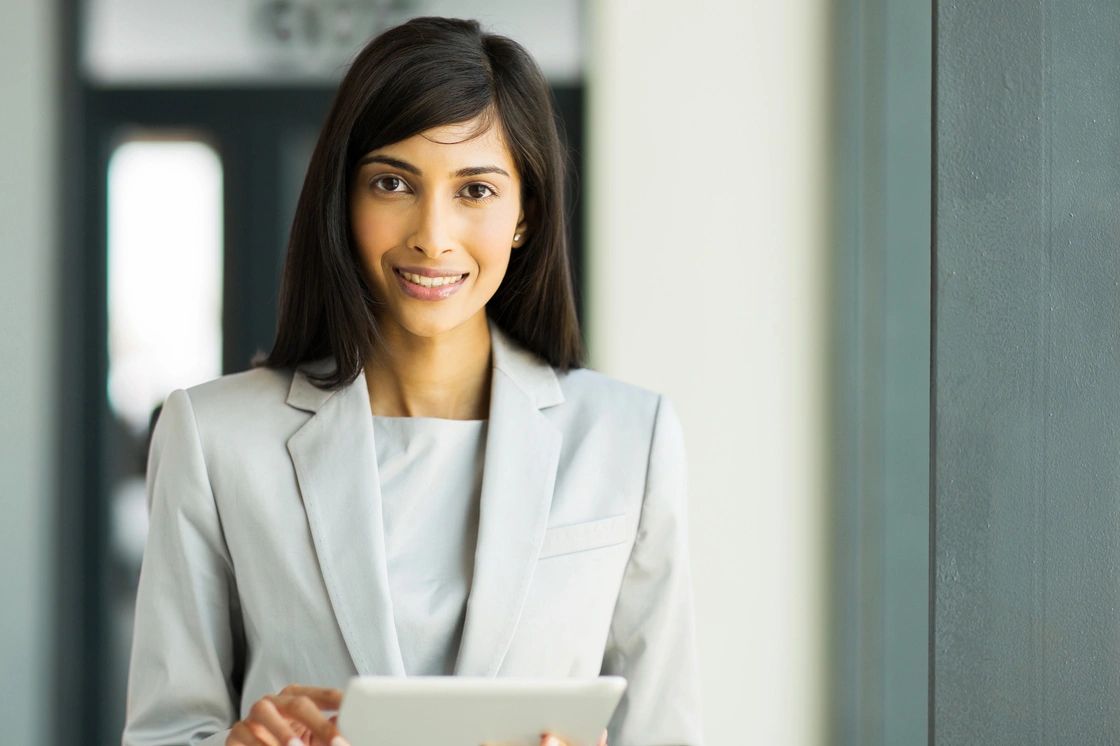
(28, 349)
(879, 307)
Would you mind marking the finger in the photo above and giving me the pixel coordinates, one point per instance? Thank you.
(264, 714)
(603, 738)
(547, 739)
(336, 742)
(242, 735)
(262, 734)
(325, 697)
(303, 709)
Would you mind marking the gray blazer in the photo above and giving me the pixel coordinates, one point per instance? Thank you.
(265, 564)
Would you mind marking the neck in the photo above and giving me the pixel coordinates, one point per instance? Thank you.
(446, 376)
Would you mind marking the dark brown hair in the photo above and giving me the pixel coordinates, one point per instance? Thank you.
(426, 73)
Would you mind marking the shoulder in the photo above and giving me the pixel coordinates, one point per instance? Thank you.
(584, 386)
(250, 389)
(242, 404)
(606, 401)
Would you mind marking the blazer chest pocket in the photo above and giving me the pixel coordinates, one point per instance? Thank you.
(581, 537)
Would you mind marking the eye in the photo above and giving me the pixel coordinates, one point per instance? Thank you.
(388, 183)
(478, 192)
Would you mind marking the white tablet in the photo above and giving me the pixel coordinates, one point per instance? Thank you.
(469, 711)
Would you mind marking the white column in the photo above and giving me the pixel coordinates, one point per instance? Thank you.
(706, 253)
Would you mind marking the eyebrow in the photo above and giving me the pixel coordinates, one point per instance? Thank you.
(406, 166)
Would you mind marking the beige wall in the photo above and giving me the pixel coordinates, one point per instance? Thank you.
(706, 253)
(27, 340)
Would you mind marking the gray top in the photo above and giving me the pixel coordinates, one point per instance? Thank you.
(431, 479)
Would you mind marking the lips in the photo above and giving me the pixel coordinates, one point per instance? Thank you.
(425, 293)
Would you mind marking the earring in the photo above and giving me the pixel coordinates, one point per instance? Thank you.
(516, 236)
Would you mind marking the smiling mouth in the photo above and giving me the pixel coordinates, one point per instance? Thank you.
(430, 282)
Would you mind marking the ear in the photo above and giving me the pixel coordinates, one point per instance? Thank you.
(520, 232)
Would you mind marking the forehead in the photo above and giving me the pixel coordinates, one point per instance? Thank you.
(462, 144)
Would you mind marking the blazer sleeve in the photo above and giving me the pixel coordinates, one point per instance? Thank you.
(652, 638)
(186, 636)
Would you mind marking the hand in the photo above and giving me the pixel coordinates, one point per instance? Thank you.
(294, 717)
(547, 739)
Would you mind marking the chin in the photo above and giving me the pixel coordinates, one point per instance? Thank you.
(430, 320)
(429, 327)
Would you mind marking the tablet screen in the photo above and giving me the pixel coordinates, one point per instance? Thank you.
(470, 711)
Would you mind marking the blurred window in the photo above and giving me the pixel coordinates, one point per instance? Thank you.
(165, 272)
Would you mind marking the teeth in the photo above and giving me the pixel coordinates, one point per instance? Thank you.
(431, 282)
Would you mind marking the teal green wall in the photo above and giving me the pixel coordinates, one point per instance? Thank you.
(879, 440)
(1027, 373)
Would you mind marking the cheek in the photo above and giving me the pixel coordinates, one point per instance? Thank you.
(493, 258)
(494, 239)
(373, 237)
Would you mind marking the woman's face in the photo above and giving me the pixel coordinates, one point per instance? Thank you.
(441, 202)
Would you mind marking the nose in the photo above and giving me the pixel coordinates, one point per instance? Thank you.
(433, 231)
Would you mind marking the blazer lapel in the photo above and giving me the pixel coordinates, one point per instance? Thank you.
(336, 467)
(521, 456)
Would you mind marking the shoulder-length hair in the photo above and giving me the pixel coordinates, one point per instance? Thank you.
(426, 73)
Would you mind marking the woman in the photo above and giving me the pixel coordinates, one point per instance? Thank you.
(419, 479)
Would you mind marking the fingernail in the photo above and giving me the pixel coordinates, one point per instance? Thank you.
(551, 741)
(295, 742)
(339, 741)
